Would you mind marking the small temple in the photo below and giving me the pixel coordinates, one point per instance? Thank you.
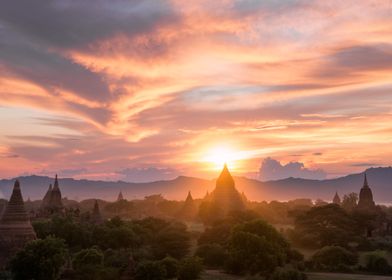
(120, 196)
(15, 226)
(96, 216)
(366, 201)
(189, 209)
(336, 199)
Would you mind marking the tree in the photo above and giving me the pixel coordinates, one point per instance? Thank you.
(213, 255)
(349, 202)
(150, 270)
(190, 269)
(323, 226)
(256, 247)
(40, 259)
(333, 258)
(88, 263)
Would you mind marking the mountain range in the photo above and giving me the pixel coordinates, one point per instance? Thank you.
(380, 181)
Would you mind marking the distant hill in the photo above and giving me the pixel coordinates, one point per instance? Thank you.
(380, 180)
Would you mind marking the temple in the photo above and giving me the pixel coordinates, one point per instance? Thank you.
(120, 196)
(366, 201)
(15, 226)
(96, 216)
(52, 201)
(189, 209)
(336, 199)
(225, 195)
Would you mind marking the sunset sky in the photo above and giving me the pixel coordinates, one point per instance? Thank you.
(145, 90)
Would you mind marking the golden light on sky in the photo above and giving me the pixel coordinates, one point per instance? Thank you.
(147, 90)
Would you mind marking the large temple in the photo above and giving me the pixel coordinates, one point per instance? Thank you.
(225, 195)
(52, 203)
(15, 226)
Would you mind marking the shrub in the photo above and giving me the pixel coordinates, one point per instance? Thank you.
(287, 273)
(171, 267)
(333, 258)
(213, 255)
(150, 270)
(377, 263)
(190, 269)
(39, 259)
(88, 263)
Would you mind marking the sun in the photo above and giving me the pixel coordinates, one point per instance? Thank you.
(221, 155)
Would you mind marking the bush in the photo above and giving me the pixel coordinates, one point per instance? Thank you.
(213, 255)
(190, 269)
(88, 263)
(287, 273)
(376, 263)
(150, 270)
(39, 259)
(333, 258)
(171, 267)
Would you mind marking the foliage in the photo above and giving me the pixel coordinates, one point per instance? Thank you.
(349, 201)
(190, 269)
(256, 247)
(213, 255)
(171, 267)
(377, 263)
(323, 226)
(88, 263)
(333, 258)
(40, 259)
(150, 270)
(287, 273)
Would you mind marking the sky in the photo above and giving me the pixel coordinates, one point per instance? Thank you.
(151, 89)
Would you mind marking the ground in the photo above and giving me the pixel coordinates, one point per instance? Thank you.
(217, 275)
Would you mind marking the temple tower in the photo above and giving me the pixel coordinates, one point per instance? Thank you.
(225, 195)
(336, 199)
(189, 210)
(120, 196)
(366, 201)
(15, 226)
(96, 216)
(52, 201)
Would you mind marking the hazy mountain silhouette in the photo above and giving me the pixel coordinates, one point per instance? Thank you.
(380, 180)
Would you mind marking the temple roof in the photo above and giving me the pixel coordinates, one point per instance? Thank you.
(225, 179)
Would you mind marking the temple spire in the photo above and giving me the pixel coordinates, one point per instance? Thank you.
(120, 196)
(365, 182)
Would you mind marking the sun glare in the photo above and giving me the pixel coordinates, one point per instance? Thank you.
(218, 156)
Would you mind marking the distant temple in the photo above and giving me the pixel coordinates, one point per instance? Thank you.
(336, 199)
(96, 216)
(15, 226)
(52, 203)
(366, 201)
(225, 196)
(120, 196)
(189, 209)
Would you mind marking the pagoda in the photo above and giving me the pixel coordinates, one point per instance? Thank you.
(15, 226)
(96, 216)
(336, 199)
(366, 201)
(52, 201)
(120, 196)
(189, 209)
(225, 196)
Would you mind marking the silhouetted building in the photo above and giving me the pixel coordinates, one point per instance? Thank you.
(336, 199)
(120, 196)
(96, 216)
(15, 226)
(189, 209)
(225, 196)
(366, 201)
(52, 201)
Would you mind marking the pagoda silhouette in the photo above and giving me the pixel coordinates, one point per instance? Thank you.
(15, 226)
